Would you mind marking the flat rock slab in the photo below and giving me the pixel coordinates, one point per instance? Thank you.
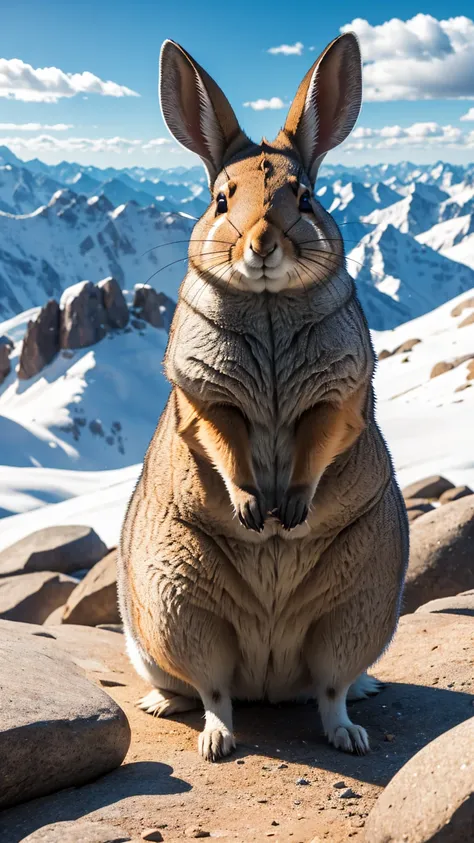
(64, 549)
(428, 487)
(94, 600)
(33, 597)
(165, 785)
(57, 729)
(432, 797)
(441, 554)
(82, 831)
(460, 604)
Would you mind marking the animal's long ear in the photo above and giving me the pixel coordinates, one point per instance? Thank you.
(195, 110)
(327, 103)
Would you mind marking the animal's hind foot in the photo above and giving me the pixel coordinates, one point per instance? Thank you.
(364, 686)
(161, 703)
(214, 744)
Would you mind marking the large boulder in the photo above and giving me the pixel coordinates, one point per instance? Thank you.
(83, 318)
(41, 341)
(441, 554)
(114, 303)
(460, 604)
(94, 600)
(153, 307)
(78, 831)
(428, 487)
(5, 365)
(455, 493)
(432, 797)
(32, 597)
(65, 549)
(57, 729)
(421, 504)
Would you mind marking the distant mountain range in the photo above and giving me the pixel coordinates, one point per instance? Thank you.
(408, 229)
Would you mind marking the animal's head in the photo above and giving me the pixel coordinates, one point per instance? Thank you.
(263, 229)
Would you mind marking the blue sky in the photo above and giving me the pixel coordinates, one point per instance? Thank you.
(419, 74)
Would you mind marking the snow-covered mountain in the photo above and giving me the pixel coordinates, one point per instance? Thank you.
(61, 224)
(415, 277)
(73, 238)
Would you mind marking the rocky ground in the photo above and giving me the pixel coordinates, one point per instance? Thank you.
(74, 768)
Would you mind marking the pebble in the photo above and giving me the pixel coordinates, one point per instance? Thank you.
(152, 834)
(339, 785)
(282, 767)
(195, 831)
(240, 761)
(302, 781)
(349, 794)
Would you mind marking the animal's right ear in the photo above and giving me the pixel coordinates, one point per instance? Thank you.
(195, 110)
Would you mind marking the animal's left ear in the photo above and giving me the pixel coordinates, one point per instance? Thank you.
(327, 103)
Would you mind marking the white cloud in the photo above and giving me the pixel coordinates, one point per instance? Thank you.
(262, 105)
(48, 143)
(21, 81)
(416, 135)
(469, 115)
(421, 58)
(152, 144)
(287, 49)
(35, 127)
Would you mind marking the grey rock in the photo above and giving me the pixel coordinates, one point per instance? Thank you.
(57, 729)
(5, 365)
(94, 600)
(432, 797)
(83, 317)
(455, 493)
(155, 308)
(114, 303)
(41, 341)
(420, 504)
(460, 604)
(32, 597)
(64, 549)
(78, 831)
(441, 554)
(428, 487)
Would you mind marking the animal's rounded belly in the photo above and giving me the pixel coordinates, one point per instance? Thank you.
(271, 642)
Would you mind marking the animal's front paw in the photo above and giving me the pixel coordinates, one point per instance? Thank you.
(249, 507)
(294, 507)
(214, 744)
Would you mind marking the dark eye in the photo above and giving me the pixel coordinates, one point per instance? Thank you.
(221, 204)
(305, 203)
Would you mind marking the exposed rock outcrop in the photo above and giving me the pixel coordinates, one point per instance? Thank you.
(41, 341)
(32, 597)
(432, 797)
(114, 303)
(5, 365)
(155, 308)
(428, 487)
(57, 729)
(64, 549)
(83, 316)
(94, 600)
(441, 554)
